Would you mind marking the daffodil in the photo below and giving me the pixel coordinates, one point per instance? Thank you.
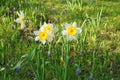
(43, 36)
(49, 27)
(71, 31)
(20, 19)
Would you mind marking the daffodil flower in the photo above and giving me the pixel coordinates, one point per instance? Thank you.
(49, 27)
(43, 36)
(20, 19)
(71, 31)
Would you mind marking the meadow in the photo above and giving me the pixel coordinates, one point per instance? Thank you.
(59, 39)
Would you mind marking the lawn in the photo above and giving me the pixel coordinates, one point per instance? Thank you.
(82, 44)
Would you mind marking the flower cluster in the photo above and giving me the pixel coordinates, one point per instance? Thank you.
(48, 30)
(45, 33)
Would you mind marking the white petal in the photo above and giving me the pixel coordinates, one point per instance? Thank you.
(55, 29)
(69, 38)
(50, 32)
(75, 37)
(42, 28)
(50, 38)
(75, 24)
(18, 13)
(36, 32)
(37, 38)
(17, 20)
(22, 14)
(79, 30)
(43, 41)
(66, 25)
(64, 32)
(50, 25)
(22, 25)
(44, 23)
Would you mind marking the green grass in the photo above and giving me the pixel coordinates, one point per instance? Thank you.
(96, 52)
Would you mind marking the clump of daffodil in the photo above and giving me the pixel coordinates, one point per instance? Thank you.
(20, 19)
(46, 33)
(71, 31)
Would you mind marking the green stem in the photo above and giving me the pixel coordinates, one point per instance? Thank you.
(67, 59)
(43, 69)
(93, 66)
(43, 63)
(38, 64)
(33, 68)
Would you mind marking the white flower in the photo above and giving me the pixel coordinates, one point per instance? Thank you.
(49, 27)
(43, 36)
(71, 31)
(21, 19)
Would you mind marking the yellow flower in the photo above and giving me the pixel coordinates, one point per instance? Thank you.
(20, 19)
(71, 31)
